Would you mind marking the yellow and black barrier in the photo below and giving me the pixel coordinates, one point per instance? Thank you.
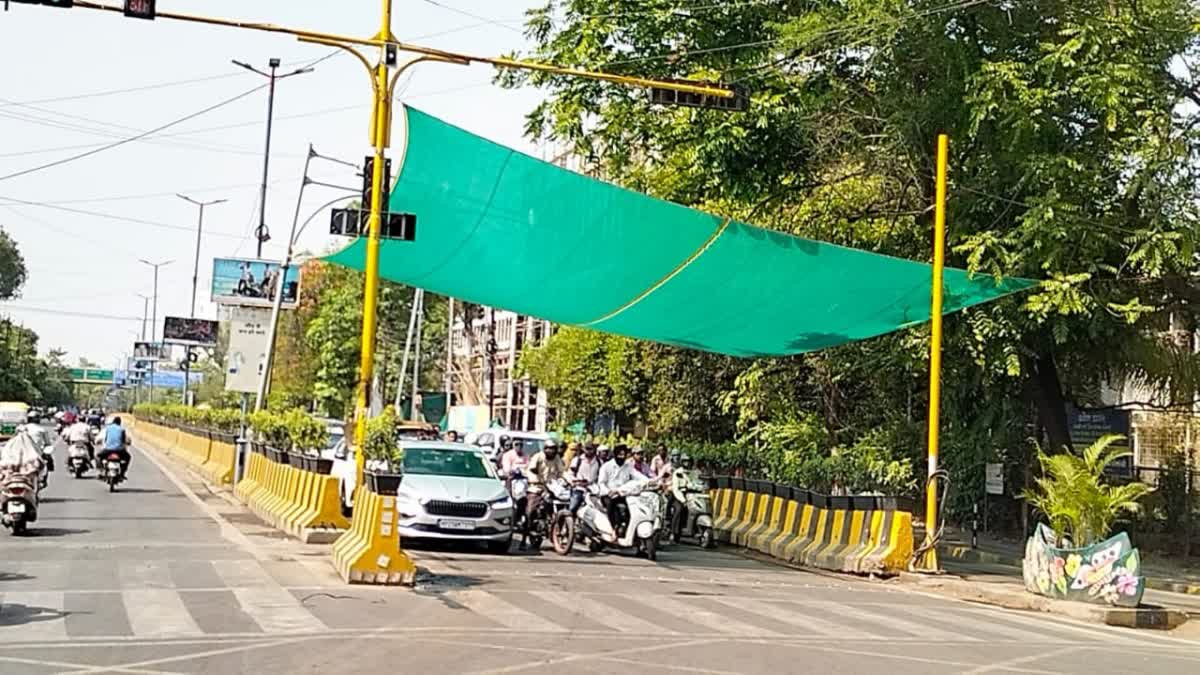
(293, 493)
(863, 534)
(369, 552)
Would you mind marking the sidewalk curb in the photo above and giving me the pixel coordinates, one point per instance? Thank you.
(1017, 598)
(973, 555)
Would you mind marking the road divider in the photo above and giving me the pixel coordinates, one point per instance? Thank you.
(369, 552)
(862, 534)
(210, 453)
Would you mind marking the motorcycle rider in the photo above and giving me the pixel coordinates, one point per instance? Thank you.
(116, 440)
(678, 503)
(583, 472)
(545, 467)
(639, 462)
(660, 459)
(80, 432)
(615, 473)
(512, 458)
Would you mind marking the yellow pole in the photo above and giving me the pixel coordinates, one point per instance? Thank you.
(929, 561)
(380, 121)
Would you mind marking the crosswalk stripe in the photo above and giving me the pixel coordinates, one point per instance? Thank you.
(1042, 624)
(699, 615)
(503, 612)
(277, 611)
(601, 613)
(963, 619)
(890, 620)
(155, 612)
(806, 620)
(140, 574)
(246, 573)
(32, 616)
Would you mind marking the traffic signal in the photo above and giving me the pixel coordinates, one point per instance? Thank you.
(353, 223)
(368, 171)
(63, 4)
(140, 9)
(739, 102)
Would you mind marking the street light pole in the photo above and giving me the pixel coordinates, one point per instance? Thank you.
(145, 313)
(261, 233)
(187, 357)
(154, 318)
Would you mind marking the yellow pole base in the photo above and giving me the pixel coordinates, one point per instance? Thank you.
(369, 552)
(927, 562)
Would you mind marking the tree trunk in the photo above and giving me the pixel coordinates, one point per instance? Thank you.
(1046, 389)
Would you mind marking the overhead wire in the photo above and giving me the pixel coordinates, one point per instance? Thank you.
(113, 216)
(130, 139)
(67, 312)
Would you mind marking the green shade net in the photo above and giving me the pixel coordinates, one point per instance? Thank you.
(503, 229)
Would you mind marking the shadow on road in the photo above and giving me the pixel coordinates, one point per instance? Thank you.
(63, 500)
(15, 576)
(137, 491)
(16, 614)
(39, 532)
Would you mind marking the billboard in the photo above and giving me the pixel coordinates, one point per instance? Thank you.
(167, 379)
(244, 281)
(194, 332)
(247, 348)
(148, 351)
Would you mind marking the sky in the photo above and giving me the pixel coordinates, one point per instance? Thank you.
(73, 79)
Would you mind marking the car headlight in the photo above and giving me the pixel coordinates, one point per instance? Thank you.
(504, 502)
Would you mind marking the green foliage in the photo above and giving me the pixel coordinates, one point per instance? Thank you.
(1177, 500)
(304, 431)
(12, 267)
(271, 428)
(221, 420)
(380, 442)
(1074, 496)
(586, 373)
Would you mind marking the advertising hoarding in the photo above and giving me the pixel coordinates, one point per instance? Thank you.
(249, 282)
(194, 332)
(148, 351)
(247, 348)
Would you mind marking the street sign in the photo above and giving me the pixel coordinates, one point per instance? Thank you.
(993, 476)
(247, 348)
(140, 9)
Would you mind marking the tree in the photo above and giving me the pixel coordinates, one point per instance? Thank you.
(12, 267)
(1073, 130)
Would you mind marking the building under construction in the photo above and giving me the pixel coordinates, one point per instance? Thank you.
(484, 365)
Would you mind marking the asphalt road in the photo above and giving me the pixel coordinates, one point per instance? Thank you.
(166, 577)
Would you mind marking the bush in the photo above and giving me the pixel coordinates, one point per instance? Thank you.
(270, 428)
(304, 431)
(380, 442)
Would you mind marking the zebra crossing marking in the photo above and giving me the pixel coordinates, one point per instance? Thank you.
(158, 613)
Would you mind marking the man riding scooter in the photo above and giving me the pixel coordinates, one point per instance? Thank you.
(615, 473)
(691, 504)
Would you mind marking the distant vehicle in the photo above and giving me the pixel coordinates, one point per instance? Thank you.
(12, 415)
(490, 441)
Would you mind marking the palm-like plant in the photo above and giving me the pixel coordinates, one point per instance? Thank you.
(1074, 496)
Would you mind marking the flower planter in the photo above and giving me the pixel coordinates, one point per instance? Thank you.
(1104, 573)
(295, 460)
(383, 483)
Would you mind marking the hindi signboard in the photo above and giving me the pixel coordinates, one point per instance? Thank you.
(247, 348)
(993, 477)
(252, 283)
(194, 332)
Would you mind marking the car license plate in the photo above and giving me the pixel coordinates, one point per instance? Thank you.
(16, 507)
(447, 524)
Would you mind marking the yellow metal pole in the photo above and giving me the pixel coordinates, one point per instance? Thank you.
(380, 121)
(929, 561)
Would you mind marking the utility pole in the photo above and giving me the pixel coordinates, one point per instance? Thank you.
(491, 355)
(154, 320)
(187, 358)
(145, 313)
(261, 233)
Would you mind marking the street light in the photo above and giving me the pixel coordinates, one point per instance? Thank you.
(154, 316)
(145, 314)
(260, 233)
(199, 230)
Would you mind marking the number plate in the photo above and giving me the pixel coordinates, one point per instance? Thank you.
(447, 524)
(16, 507)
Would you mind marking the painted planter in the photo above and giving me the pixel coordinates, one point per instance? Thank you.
(1106, 573)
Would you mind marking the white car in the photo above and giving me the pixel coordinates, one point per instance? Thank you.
(490, 440)
(451, 492)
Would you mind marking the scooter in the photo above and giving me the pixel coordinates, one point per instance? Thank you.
(18, 502)
(644, 521)
(692, 508)
(47, 466)
(78, 458)
(518, 486)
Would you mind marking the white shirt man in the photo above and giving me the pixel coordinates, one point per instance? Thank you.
(78, 432)
(616, 472)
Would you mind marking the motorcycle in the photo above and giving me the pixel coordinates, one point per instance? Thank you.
(47, 466)
(643, 524)
(545, 522)
(518, 487)
(78, 458)
(111, 470)
(18, 502)
(692, 508)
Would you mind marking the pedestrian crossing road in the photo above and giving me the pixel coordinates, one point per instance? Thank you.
(163, 582)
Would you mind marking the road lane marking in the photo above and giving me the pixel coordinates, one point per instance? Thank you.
(601, 613)
(32, 616)
(981, 626)
(700, 616)
(140, 574)
(891, 620)
(805, 620)
(277, 611)
(243, 574)
(503, 612)
(158, 613)
(1012, 664)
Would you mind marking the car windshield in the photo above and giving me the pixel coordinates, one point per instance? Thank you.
(457, 463)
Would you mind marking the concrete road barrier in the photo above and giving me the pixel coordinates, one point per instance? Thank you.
(863, 534)
(369, 552)
(211, 454)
